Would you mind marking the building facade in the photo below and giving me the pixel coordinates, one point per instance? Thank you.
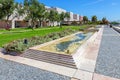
(18, 21)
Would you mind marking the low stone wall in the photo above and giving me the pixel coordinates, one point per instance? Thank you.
(80, 53)
(117, 29)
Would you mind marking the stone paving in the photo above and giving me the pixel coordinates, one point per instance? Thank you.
(108, 61)
(15, 71)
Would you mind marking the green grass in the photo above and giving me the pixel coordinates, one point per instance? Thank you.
(20, 33)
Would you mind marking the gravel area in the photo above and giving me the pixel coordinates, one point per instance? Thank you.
(108, 61)
(15, 71)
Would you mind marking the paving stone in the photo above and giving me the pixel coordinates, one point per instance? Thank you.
(15, 71)
(102, 77)
(83, 75)
(108, 61)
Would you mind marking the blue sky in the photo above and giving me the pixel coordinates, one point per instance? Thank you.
(101, 8)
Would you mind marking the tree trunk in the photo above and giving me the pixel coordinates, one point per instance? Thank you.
(40, 23)
(33, 25)
(7, 27)
(53, 23)
(60, 24)
(68, 21)
(29, 23)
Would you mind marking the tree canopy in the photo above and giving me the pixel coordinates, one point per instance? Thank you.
(94, 18)
(85, 19)
(6, 8)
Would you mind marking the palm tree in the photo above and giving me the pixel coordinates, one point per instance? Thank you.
(104, 20)
(85, 19)
(94, 18)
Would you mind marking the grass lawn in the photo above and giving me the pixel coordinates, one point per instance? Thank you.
(20, 33)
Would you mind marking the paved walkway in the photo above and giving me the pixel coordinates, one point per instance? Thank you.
(15, 71)
(108, 61)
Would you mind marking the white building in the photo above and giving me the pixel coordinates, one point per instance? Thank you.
(15, 17)
(59, 10)
(73, 17)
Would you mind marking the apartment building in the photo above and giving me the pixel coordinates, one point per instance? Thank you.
(73, 17)
(18, 21)
(59, 10)
(14, 21)
(80, 18)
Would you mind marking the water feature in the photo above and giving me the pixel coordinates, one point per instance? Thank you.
(64, 45)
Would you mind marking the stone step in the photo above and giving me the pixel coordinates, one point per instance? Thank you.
(59, 59)
(53, 58)
(48, 53)
(53, 62)
(50, 59)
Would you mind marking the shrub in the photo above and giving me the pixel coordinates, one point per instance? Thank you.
(20, 46)
(55, 37)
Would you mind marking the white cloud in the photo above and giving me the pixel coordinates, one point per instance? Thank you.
(92, 3)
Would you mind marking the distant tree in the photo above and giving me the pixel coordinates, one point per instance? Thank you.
(34, 11)
(19, 9)
(85, 19)
(1, 9)
(46, 15)
(104, 20)
(67, 16)
(57, 17)
(6, 8)
(99, 22)
(94, 18)
(52, 16)
(115, 23)
(107, 22)
(62, 17)
(41, 13)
